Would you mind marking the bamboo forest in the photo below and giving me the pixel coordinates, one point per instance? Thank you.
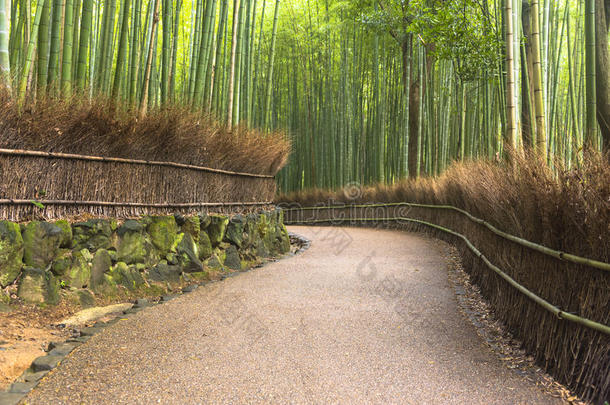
(345, 201)
(368, 91)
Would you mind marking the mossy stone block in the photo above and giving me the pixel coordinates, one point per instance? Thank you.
(41, 243)
(127, 276)
(188, 255)
(204, 246)
(235, 231)
(66, 233)
(217, 228)
(191, 226)
(135, 247)
(79, 273)
(62, 262)
(101, 264)
(37, 286)
(93, 234)
(11, 252)
(232, 259)
(165, 272)
(163, 232)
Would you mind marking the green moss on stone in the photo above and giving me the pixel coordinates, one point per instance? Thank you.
(188, 255)
(62, 262)
(235, 231)
(11, 252)
(192, 227)
(38, 287)
(41, 243)
(93, 234)
(217, 228)
(204, 246)
(79, 272)
(163, 232)
(66, 233)
(101, 264)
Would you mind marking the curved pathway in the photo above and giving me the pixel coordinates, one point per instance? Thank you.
(363, 316)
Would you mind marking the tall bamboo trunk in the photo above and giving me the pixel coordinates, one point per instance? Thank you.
(590, 93)
(232, 65)
(55, 49)
(541, 144)
(43, 49)
(66, 61)
(149, 61)
(134, 56)
(122, 54)
(166, 50)
(602, 69)
(5, 68)
(510, 91)
(29, 54)
(85, 38)
(267, 110)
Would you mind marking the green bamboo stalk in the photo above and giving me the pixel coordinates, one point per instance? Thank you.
(166, 50)
(591, 104)
(85, 34)
(216, 79)
(29, 54)
(232, 72)
(174, 57)
(43, 49)
(511, 108)
(75, 38)
(149, 61)
(269, 78)
(541, 136)
(55, 48)
(134, 55)
(5, 67)
(122, 52)
(66, 64)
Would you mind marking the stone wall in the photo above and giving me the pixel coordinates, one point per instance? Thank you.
(104, 257)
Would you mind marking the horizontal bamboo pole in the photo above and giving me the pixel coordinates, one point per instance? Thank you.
(9, 201)
(523, 242)
(57, 155)
(538, 300)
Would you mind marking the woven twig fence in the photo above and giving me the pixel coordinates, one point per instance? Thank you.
(575, 354)
(49, 185)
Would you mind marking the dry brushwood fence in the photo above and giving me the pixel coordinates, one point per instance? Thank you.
(47, 185)
(577, 354)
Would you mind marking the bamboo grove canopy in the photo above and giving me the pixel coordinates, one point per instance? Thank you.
(370, 90)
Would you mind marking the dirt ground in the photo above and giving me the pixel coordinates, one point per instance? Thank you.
(25, 331)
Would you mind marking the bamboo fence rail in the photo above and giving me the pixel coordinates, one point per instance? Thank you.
(524, 242)
(48, 185)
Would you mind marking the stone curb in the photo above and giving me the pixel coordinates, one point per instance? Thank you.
(57, 351)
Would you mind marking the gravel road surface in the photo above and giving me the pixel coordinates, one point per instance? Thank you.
(363, 316)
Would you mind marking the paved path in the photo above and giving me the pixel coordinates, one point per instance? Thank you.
(363, 316)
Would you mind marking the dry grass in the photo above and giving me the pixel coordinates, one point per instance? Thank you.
(100, 128)
(569, 211)
(173, 134)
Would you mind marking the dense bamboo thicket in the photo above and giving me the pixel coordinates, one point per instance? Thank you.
(371, 90)
(378, 90)
(568, 211)
(209, 55)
